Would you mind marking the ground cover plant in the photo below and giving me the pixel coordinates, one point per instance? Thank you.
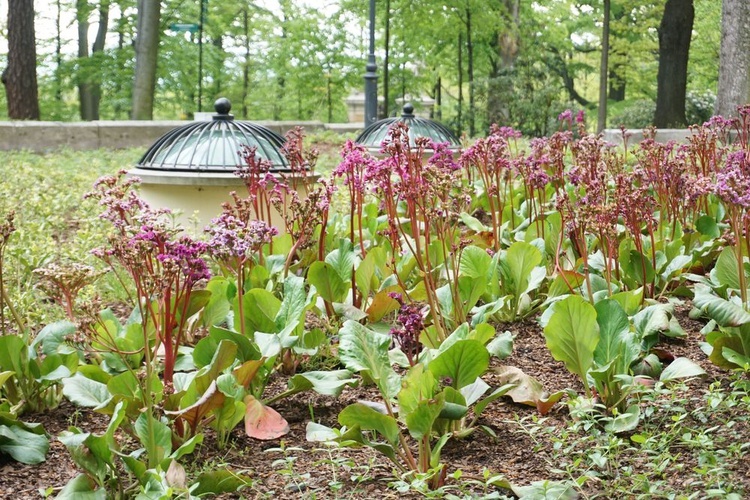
(557, 317)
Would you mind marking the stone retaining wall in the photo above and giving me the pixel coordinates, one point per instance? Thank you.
(42, 137)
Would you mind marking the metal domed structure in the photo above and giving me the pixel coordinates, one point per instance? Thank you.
(375, 134)
(214, 146)
(191, 169)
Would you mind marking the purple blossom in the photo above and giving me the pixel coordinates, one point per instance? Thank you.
(406, 336)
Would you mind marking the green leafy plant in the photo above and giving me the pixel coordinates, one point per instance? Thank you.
(598, 344)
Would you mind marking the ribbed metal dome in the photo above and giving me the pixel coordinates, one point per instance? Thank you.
(214, 146)
(375, 134)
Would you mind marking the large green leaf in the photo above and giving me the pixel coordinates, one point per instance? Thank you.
(681, 368)
(520, 260)
(420, 420)
(368, 419)
(615, 339)
(328, 383)
(13, 354)
(154, 435)
(650, 322)
(362, 349)
(417, 385)
(219, 304)
(343, 260)
(327, 282)
(475, 263)
(294, 304)
(81, 488)
(85, 392)
(51, 338)
(572, 335)
(260, 308)
(724, 312)
(462, 363)
(366, 275)
(216, 482)
(727, 272)
(24, 446)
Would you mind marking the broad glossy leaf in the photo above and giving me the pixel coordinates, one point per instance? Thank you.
(572, 335)
(318, 433)
(681, 368)
(362, 349)
(475, 263)
(260, 308)
(722, 311)
(382, 304)
(216, 482)
(24, 446)
(326, 383)
(727, 272)
(546, 490)
(194, 414)
(501, 346)
(217, 309)
(624, 422)
(154, 434)
(327, 282)
(417, 385)
(419, 421)
(81, 488)
(263, 422)
(343, 260)
(650, 322)
(462, 363)
(294, 304)
(85, 392)
(473, 392)
(640, 268)
(370, 420)
(615, 339)
(520, 260)
(51, 338)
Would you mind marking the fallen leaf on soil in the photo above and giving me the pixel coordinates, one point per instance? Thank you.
(263, 422)
(528, 390)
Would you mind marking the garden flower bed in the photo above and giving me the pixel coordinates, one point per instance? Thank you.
(557, 318)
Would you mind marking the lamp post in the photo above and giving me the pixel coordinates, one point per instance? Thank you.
(371, 76)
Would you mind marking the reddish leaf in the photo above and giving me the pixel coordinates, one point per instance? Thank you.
(263, 422)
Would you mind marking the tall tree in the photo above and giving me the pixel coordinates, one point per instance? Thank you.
(146, 52)
(89, 88)
(19, 76)
(604, 69)
(502, 62)
(734, 61)
(675, 32)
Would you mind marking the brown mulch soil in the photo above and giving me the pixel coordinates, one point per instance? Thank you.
(306, 470)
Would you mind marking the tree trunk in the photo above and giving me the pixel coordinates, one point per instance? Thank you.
(459, 118)
(734, 60)
(386, 60)
(146, 52)
(603, 69)
(470, 71)
(246, 65)
(58, 53)
(19, 76)
(499, 82)
(616, 84)
(674, 46)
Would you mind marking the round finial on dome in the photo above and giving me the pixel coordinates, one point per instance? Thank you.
(408, 110)
(222, 106)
